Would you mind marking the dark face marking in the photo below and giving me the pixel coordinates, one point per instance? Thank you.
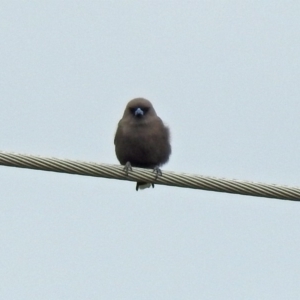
(139, 112)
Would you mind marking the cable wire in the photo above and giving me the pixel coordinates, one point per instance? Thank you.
(146, 175)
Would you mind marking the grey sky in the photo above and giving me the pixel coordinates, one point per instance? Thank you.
(224, 75)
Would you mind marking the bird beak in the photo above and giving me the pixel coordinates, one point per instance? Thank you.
(138, 112)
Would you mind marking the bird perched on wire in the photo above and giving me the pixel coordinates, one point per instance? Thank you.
(142, 140)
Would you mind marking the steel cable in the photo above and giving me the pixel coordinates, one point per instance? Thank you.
(168, 178)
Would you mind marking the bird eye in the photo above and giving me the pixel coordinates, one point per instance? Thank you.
(132, 110)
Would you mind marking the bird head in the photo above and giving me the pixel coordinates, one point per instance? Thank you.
(139, 109)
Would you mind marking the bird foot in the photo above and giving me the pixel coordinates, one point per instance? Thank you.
(157, 172)
(127, 168)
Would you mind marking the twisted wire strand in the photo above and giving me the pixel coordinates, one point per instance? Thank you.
(145, 175)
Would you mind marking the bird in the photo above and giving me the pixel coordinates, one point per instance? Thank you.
(142, 139)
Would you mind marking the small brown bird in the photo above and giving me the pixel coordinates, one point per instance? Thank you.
(142, 140)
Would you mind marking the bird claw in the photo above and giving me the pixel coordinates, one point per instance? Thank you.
(127, 168)
(157, 172)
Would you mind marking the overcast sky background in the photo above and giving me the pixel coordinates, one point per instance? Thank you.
(224, 76)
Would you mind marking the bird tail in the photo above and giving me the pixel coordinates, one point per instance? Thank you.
(143, 185)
